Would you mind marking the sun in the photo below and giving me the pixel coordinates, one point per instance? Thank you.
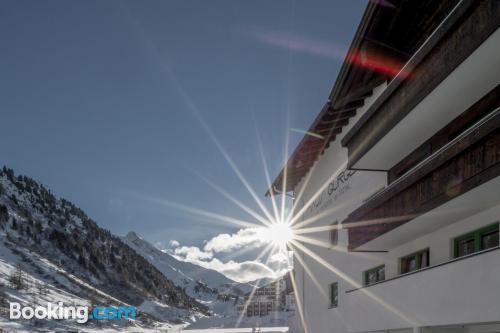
(279, 233)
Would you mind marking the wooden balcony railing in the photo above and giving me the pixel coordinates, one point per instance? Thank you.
(469, 160)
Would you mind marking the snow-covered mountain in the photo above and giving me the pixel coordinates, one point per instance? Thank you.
(65, 256)
(209, 287)
(58, 247)
(184, 274)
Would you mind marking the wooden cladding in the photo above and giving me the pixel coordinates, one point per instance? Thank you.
(470, 162)
(447, 134)
(386, 39)
(460, 35)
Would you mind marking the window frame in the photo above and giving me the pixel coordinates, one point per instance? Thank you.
(365, 275)
(476, 235)
(334, 234)
(418, 259)
(334, 286)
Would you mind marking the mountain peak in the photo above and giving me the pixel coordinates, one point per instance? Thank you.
(132, 236)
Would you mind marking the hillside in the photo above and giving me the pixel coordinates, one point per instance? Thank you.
(219, 293)
(184, 274)
(55, 241)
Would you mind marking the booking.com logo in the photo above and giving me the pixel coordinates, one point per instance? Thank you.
(80, 314)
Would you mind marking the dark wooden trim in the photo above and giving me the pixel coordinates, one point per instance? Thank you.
(453, 150)
(424, 50)
(326, 131)
(369, 170)
(470, 24)
(479, 110)
(369, 251)
(467, 162)
(361, 235)
(334, 119)
(371, 61)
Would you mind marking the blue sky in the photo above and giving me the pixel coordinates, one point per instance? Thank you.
(108, 102)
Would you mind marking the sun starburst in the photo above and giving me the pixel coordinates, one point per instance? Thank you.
(279, 234)
(282, 230)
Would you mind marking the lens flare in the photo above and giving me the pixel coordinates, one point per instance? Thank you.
(279, 234)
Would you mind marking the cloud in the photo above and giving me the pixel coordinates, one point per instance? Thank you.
(245, 271)
(278, 258)
(239, 271)
(243, 238)
(173, 243)
(192, 253)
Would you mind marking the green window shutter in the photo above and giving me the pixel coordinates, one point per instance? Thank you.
(462, 244)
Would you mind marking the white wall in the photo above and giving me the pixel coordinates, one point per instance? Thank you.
(461, 292)
(334, 206)
(440, 242)
(428, 298)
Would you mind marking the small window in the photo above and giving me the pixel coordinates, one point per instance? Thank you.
(334, 295)
(489, 239)
(374, 275)
(465, 245)
(475, 241)
(415, 261)
(334, 234)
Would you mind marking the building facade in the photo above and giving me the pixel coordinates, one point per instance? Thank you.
(290, 302)
(397, 206)
(264, 300)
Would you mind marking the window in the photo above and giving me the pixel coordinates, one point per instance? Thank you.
(414, 261)
(475, 241)
(334, 295)
(374, 275)
(334, 234)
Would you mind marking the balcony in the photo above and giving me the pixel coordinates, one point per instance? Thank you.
(447, 76)
(432, 296)
(458, 180)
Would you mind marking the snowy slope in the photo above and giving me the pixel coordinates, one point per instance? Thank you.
(180, 272)
(45, 282)
(56, 245)
(185, 274)
(62, 251)
(210, 287)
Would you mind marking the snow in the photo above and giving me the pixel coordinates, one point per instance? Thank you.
(187, 275)
(180, 272)
(239, 330)
(48, 282)
(209, 287)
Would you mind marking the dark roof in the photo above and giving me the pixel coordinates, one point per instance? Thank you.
(389, 33)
